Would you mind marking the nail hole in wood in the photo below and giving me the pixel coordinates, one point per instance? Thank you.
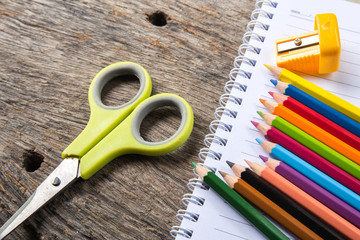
(32, 160)
(157, 18)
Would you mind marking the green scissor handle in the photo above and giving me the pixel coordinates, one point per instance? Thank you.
(126, 139)
(104, 118)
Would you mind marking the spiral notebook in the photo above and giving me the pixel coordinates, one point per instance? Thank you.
(232, 136)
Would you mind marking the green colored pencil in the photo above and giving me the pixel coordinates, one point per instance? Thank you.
(239, 203)
(312, 143)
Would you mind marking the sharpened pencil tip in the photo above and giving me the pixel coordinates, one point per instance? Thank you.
(268, 66)
(223, 174)
(193, 164)
(275, 82)
(255, 123)
(260, 113)
(263, 158)
(231, 164)
(259, 140)
(248, 162)
(262, 100)
(271, 93)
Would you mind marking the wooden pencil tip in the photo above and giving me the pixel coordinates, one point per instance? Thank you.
(248, 162)
(268, 66)
(193, 164)
(231, 164)
(259, 140)
(262, 100)
(223, 174)
(255, 123)
(271, 94)
(263, 158)
(275, 82)
(260, 113)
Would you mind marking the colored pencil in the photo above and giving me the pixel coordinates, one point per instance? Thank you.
(306, 200)
(318, 106)
(318, 119)
(312, 143)
(269, 207)
(296, 210)
(313, 130)
(274, 135)
(314, 190)
(312, 173)
(239, 203)
(317, 92)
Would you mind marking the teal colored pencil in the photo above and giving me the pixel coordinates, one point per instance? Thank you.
(239, 203)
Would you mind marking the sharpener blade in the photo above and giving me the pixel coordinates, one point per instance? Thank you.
(298, 43)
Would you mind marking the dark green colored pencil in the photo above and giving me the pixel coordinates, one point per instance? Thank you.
(307, 218)
(239, 203)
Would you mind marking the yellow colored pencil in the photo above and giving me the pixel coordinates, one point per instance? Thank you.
(317, 92)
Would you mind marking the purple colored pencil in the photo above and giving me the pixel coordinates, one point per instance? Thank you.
(308, 186)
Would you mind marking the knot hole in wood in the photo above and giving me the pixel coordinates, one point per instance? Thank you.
(158, 18)
(32, 160)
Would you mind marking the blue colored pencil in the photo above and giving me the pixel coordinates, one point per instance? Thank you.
(339, 190)
(318, 106)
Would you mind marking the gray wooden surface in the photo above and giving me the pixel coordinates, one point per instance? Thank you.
(49, 53)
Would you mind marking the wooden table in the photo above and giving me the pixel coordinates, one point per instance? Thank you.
(51, 50)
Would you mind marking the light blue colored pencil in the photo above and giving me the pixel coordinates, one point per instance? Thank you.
(317, 176)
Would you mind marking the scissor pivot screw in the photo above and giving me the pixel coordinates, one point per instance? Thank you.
(297, 41)
(56, 182)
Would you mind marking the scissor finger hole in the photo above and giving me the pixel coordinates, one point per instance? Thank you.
(120, 90)
(160, 124)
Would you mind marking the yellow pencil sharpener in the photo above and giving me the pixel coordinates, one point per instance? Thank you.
(316, 52)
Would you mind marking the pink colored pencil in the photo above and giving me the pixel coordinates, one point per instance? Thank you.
(309, 156)
(317, 119)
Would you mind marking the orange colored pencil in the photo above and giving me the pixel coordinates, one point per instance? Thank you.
(306, 200)
(318, 119)
(313, 130)
(269, 207)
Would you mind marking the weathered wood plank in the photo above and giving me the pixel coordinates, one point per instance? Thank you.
(51, 50)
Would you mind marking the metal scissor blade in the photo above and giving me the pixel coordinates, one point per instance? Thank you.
(62, 176)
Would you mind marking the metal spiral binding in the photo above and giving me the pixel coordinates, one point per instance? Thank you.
(251, 35)
(195, 182)
(222, 110)
(218, 124)
(257, 12)
(255, 23)
(210, 138)
(247, 47)
(177, 230)
(232, 84)
(190, 198)
(228, 97)
(206, 152)
(181, 214)
(270, 3)
(241, 59)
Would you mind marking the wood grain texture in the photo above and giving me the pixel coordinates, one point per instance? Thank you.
(51, 50)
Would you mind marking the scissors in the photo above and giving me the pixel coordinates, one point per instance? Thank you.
(112, 131)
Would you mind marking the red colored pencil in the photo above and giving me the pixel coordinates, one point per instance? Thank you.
(309, 156)
(317, 119)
